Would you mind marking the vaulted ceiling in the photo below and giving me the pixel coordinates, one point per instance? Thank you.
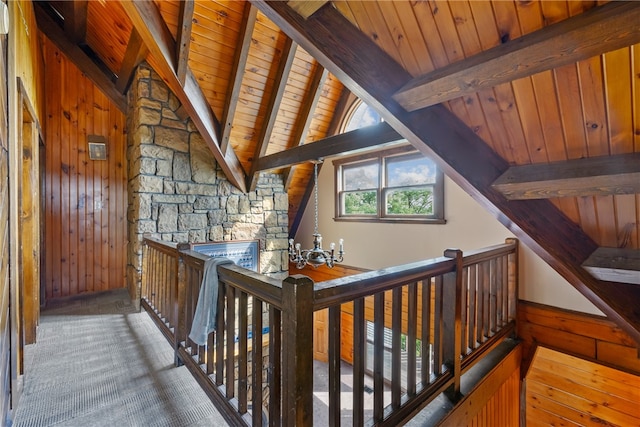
(532, 107)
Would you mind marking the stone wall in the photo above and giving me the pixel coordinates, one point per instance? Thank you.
(177, 193)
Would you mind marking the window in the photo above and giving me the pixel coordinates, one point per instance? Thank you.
(394, 186)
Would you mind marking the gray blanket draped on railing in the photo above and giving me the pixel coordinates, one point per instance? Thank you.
(204, 318)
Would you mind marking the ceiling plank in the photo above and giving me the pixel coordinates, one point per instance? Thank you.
(237, 73)
(615, 265)
(184, 38)
(343, 102)
(313, 92)
(75, 20)
(374, 77)
(136, 53)
(599, 30)
(358, 139)
(273, 105)
(306, 8)
(594, 176)
(79, 57)
(146, 18)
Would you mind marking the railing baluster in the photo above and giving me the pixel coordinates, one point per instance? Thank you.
(412, 319)
(256, 364)
(334, 365)
(359, 342)
(230, 337)
(378, 356)
(473, 307)
(396, 341)
(425, 351)
(242, 352)
(493, 303)
(437, 327)
(464, 294)
(275, 366)
(220, 333)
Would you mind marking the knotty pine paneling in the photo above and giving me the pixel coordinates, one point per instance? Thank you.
(87, 199)
(565, 390)
(577, 333)
(495, 401)
(5, 339)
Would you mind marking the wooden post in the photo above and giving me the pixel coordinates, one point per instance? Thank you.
(452, 296)
(512, 293)
(181, 286)
(297, 351)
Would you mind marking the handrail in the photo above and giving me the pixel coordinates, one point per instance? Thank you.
(485, 254)
(337, 291)
(467, 306)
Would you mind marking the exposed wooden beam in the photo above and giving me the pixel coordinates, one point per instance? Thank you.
(146, 18)
(79, 57)
(314, 90)
(358, 139)
(374, 76)
(75, 20)
(306, 8)
(594, 176)
(184, 38)
(237, 72)
(273, 105)
(599, 30)
(136, 53)
(615, 265)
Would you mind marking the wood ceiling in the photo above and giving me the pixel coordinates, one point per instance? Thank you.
(532, 107)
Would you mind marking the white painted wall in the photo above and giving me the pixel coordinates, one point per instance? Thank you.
(469, 227)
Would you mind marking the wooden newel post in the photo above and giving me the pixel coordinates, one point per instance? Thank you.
(452, 296)
(297, 351)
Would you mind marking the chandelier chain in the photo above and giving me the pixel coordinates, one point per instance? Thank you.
(315, 183)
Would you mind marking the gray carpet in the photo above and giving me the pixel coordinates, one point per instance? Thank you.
(98, 362)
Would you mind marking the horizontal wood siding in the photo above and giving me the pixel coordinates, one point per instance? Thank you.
(566, 390)
(86, 242)
(576, 333)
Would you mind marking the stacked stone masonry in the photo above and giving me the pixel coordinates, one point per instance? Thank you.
(177, 193)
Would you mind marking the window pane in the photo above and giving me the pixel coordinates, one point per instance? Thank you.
(361, 203)
(363, 116)
(360, 177)
(410, 170)
(410, 201)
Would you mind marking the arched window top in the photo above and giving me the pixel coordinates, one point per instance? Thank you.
(359, 116)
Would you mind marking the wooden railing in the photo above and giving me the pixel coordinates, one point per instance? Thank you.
(417, 328)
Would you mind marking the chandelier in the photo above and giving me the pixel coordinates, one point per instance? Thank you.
(316, 256)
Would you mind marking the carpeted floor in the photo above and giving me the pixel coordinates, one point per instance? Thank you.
(98, 362)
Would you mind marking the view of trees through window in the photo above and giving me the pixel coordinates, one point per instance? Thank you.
(405, 184)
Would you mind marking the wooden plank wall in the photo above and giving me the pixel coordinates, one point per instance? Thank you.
(567, 390)
(321, 319)
(577, 333)
(86, 240)
(495, 401)
(5, 350)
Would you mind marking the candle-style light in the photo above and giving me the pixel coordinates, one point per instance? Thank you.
(316, 256)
